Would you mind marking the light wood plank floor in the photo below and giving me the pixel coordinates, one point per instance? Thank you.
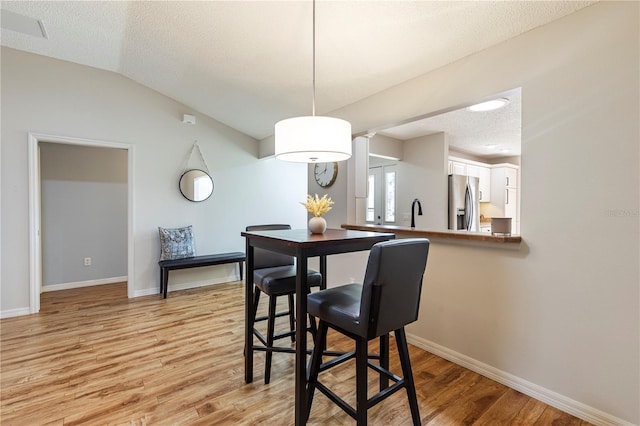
(94, 357)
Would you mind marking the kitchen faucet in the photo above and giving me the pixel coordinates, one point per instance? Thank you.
(413, 216)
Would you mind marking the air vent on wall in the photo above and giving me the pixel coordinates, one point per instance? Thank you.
(23, 24)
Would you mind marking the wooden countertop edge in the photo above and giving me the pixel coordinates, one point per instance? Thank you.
(454, 235)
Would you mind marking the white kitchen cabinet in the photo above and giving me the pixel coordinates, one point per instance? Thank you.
(510, 206)
(485, 184)
(504, 194)
(511, 177)
(484, 177)
(459, 166)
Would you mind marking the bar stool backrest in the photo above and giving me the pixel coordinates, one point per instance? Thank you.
(392, 285)
(265, 258)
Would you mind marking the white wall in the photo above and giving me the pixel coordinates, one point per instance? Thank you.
(59, 98)
(562, 311)
(422, 174)
(84, 213)
(385, 146)
(338, 193)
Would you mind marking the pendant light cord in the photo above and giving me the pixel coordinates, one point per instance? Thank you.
(313, 73)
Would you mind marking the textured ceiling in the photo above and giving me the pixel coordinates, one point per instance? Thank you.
(489, 134)
(248, 63)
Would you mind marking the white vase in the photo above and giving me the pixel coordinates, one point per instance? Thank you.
(317, 225)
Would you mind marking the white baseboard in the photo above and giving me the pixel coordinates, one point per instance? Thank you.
(185, 286)
(14, 312)
(78, 284)
(144, 292)
(65, 286)
(540, 393)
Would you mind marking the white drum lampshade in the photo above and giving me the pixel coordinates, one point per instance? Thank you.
(313, 139)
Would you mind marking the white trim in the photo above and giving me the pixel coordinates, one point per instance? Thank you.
(79, 284)
(549, 397)
(146, 292)
(18, 312)
(185, 286)
(35, 249)
(130, 223)
(35, 272)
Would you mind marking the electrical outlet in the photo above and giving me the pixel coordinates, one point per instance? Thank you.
(87, 261)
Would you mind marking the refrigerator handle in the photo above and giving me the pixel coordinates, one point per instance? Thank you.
(471, 212)
(468, 209)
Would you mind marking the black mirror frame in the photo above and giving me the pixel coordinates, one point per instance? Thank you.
(204, 174)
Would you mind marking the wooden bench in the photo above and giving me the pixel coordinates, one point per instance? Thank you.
(196, 262)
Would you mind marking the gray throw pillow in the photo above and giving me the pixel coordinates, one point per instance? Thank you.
(176, 243)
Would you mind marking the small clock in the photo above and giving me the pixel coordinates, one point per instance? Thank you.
(325, 173)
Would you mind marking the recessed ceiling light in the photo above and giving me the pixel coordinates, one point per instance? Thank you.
(505, 150)
(490, 145)
(489, 105)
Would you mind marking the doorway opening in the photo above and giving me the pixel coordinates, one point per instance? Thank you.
(36, 143)
(381, 193)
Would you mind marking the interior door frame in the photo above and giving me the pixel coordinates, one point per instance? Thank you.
(378, 194)
(35, 243)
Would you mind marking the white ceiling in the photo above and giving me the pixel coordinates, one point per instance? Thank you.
(489, 134)
(248, 63)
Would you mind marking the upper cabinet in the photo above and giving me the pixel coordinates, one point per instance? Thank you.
(459, 166)
(484, 176)
(510, 177)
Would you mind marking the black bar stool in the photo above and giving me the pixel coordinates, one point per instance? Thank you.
(388, 299)
(275, 275)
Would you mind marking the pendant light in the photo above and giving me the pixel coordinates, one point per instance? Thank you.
(313, 139)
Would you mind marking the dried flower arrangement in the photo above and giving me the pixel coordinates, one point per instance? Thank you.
(318, 206)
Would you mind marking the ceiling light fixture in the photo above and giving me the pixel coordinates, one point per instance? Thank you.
(489, 105)
(313, 139)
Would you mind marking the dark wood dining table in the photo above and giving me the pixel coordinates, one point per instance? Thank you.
(301, 244)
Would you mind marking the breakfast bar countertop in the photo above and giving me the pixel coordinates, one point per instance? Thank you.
(452, 235)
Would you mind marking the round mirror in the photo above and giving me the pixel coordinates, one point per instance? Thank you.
(196, 185)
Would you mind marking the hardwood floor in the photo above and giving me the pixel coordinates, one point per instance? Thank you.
(94, 357)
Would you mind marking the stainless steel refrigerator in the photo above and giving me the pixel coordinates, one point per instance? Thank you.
(464, 204)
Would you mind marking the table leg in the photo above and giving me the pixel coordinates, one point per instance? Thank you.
(248, 316)
(323, 272)
(161, 280)
(301, 342)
